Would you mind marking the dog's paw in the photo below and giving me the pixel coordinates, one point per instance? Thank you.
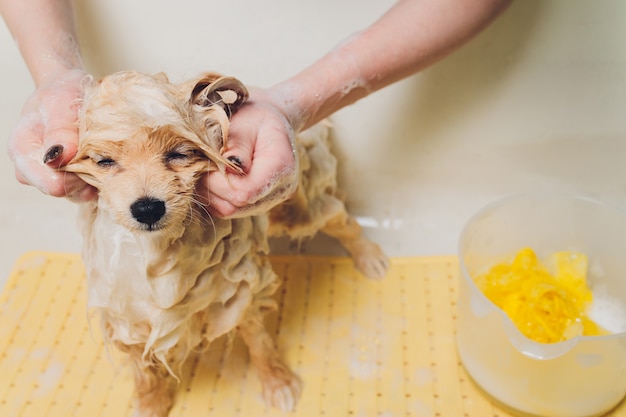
(281, 388)
(150, 413)
(156, 409)
(370, 260)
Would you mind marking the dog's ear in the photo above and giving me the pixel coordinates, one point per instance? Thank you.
(227, 92)
(213, 100)
(85, 170)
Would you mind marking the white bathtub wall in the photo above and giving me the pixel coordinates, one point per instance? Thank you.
(536, 101)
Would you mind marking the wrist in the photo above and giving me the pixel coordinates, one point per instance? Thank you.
(59, 62)
(333, 82)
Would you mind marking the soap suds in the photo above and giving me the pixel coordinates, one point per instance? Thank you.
(607, 311)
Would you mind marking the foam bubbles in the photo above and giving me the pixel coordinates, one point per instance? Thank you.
(607, 311)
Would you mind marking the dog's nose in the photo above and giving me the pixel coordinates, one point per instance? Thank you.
(148, 210)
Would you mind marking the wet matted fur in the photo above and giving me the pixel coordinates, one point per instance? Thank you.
(165, 277)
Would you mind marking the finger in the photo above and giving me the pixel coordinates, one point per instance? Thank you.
(219, 188)
(221, 208)
(47, 180)
(60, 135)
(239, 148)
(216, 205)
(52, 154)
(86, 193)
(67, 184)
(240, 157)
(59, 183)
(20, 178)
(31, 170)
(24, 148)
(62, 148)
(267, 178)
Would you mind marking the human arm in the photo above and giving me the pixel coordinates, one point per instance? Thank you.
(45, 33)
(412, 35)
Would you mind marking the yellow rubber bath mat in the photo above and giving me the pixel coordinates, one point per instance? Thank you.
(362, 348)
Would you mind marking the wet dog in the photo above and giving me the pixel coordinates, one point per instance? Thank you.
(166, 277)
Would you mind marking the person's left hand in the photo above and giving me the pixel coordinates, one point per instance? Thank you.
(260, 141)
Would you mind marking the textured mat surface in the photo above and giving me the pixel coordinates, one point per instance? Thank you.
(362, 348)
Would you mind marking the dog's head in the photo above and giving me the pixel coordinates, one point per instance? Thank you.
(145, 142)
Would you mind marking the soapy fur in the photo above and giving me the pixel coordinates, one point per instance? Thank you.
(168, 284)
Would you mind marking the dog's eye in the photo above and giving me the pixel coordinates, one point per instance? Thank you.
(177, 156)
(181, 155)
(105, 162)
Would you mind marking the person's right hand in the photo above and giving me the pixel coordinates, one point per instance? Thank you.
(46, 138)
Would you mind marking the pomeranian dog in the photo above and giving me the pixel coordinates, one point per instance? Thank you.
(165, 277)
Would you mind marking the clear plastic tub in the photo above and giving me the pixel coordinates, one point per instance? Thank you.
(581, 377)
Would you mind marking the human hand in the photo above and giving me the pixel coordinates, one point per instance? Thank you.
(46, 138)
(260, 141)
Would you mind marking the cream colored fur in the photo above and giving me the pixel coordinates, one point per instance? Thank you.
(170, 282)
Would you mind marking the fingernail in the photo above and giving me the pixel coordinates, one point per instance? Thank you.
(53, 153)
(236, 160)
